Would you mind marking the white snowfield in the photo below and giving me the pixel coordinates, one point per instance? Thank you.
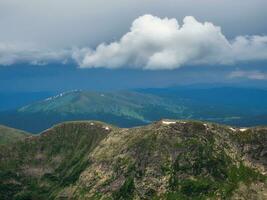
(172, 122)
(240, 129)
(61, 94)
(168, 122)
(233, 129)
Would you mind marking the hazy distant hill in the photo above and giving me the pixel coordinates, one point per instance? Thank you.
(164, 160)
(228, 105)
(235, 100)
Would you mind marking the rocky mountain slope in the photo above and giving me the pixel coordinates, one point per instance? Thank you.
(164, 160)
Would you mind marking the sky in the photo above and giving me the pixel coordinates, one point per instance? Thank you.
(98, 44)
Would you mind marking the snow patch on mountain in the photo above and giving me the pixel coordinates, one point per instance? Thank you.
(61, 95)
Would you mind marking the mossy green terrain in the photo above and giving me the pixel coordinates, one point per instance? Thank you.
(39, 166)
(10, 135)
(164, 160)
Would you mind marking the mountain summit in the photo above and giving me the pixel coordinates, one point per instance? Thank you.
(164, 160)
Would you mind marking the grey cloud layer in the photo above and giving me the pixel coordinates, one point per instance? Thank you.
(67, 23)
(155, 43)
(25, 53)
(252, 74)
(151, 43)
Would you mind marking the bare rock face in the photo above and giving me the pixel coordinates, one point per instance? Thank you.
(167, 159)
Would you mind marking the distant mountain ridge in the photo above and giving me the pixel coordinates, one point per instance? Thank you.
(118, 103)
(232, 106)
(123, 108)
(165, 160)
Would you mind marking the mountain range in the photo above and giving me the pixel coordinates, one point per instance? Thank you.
(246, 107)
(166, 159)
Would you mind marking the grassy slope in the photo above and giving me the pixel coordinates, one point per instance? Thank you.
(191, 160)
(11, 135)
(40, 165)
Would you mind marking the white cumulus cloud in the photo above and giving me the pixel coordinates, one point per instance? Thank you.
(156, 43)
(152, 43)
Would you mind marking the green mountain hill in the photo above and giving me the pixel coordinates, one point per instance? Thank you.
(10, 135)
(124, 103)
(163, 160)
(123, 108)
